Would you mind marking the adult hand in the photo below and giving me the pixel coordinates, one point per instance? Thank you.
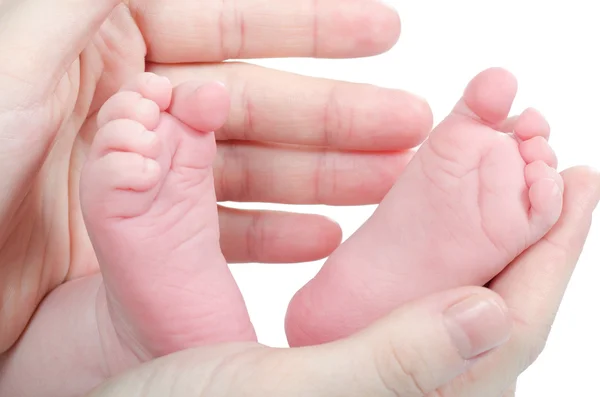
(532, 288)
(460, 343)
(412, 352)
(290, 139)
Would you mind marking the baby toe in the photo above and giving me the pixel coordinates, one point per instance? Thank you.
(153, 87)
(537, 148)
(204, 107)
(531, 124)
(117, 185)
(539, 170)
(489, 96)
(125, 135)
(127, 171)
(129, 105)
(546, 198)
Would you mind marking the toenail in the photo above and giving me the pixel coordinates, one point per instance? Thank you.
(160, 79)
(147, 108)
(149, 137)
(556, 190)
(151, 166)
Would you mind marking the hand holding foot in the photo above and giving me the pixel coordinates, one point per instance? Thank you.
(472, 199)
(62, 59)
(406, 353)
(148, 200)
(389, 359)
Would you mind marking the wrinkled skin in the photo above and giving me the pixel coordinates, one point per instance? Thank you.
(45, 242)
(47, 121)
(405, 353)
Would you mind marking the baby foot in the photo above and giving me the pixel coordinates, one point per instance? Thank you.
(149, 204)
(472, 199)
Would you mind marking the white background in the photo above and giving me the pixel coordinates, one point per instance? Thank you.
(553, 49)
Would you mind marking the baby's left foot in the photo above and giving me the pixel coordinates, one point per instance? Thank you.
(149, 204)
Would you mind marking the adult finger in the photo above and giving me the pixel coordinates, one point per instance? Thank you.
(325, 113)
(533, 287)
(300, 175)
(209, 31)
(425, 344)
(412, 352)
(40, 39)
(276, 237)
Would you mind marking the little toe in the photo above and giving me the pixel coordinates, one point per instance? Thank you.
(538, 148)
(531, 124)
(125, 135)
(129, 105)
(539, 170)
(204, 107)
(127, 171)
(489, 96)
(118, 185)
(546, 198)
(153, 87)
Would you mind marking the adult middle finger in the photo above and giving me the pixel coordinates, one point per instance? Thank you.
(273, 106)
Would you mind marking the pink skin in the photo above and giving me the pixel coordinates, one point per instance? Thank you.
(148, 200)
(472, 199)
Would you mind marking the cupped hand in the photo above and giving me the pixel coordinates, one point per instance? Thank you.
(460, 343)
(412, 352)
(290, 139)
(532, 288)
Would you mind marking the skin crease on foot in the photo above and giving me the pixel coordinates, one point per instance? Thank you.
(148, 201)
(61, 60)
(472, 199)
(49, 108)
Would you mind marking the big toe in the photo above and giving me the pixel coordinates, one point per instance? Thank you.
(204, 107)
(489, 96)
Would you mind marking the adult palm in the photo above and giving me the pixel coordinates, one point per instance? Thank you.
(60, 60)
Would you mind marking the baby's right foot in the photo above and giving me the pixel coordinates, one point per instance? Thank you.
(148, 199)
(471, 200)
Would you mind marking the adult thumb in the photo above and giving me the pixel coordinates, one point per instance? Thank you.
(424, 344)
(412, 352)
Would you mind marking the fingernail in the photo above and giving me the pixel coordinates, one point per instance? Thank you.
(477, 325)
